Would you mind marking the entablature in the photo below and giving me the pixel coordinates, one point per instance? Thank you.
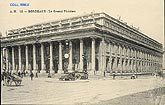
(101, 21)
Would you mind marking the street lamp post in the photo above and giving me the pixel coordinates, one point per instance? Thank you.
(164, 59)
(84, 56)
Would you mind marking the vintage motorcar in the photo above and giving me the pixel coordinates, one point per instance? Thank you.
(68, 77)
(81, 75)
(74, 76)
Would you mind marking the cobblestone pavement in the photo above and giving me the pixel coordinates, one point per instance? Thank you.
(53, 91)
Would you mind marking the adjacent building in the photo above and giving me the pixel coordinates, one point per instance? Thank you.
(95, 42)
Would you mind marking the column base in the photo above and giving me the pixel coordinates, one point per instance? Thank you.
(13, 71)
(35, 72)
(70, 70)
(101, 73)
(52, 72)
(42, 71)
(80, 70)
(60, 71)
(92, 72)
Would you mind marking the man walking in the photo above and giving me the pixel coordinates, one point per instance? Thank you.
(31, 75)
(3, 77)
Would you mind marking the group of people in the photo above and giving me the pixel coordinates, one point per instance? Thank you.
(22, 74)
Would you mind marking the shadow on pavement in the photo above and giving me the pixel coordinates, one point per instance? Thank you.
(149, 97)
(15, 86)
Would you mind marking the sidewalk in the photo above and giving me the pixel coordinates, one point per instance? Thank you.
(53, 91)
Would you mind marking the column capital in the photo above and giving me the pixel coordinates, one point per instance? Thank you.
(81, 39)
(41, 42)
(60, 41)
(70, 43)
(93, 37)
(51, 42)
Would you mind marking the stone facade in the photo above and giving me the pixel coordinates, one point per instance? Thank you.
(96, 42)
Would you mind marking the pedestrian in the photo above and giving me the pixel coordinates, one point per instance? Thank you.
(19, 73)
(49, 76)
(104, 73)
(133, 76)
(114, 75)
(31, 75)
(3, 77)
(26, 73)
(36, 75)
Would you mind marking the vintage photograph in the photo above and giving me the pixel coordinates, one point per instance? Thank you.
(88, 52)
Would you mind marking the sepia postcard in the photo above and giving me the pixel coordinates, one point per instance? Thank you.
(82, 52)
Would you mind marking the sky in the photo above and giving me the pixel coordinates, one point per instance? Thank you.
(148, 15)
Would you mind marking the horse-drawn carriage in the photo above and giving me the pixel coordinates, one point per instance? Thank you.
(10, 78)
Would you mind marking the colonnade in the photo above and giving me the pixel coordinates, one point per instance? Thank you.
(126, 58)
(108, 56)
(31, 53)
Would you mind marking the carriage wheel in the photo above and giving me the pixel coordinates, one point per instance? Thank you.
(17, 83)
(8, 81)
(78, 76)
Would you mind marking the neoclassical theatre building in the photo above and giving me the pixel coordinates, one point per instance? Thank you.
(95, 42)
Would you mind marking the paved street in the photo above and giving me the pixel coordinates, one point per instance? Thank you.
(53, 91)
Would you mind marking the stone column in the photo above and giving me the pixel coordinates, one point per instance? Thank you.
(112, 64)
(42, 58)
(34, 58)
(60, 58)
(134, 65)
(100, 57)
(27, 57)
(149, 66)
(51, 58)
(93, 55)
(104, 55)
(13, 59)
(137, 65)
(110, 57)
(117, 58)
(136, 61)
(120, 64)
(152, 67)
(143, 66)
(7, 60)
(19, 57)
(1, 59)
(140, 65)
(124, 62)
(81, 55)
(131, 66)
(70, 57)
(128, 62)
(116, 64)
